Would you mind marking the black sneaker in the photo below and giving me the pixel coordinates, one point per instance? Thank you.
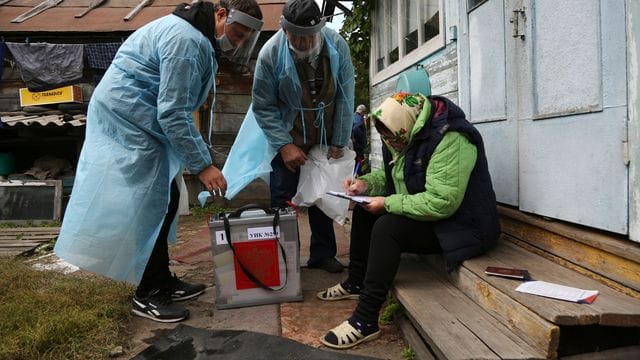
(157, 306)
(182, 290)
(331, 265)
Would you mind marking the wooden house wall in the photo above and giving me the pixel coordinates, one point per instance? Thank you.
(442, 68)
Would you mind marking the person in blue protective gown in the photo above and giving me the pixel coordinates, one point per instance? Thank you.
(140, 135)
(303, 91)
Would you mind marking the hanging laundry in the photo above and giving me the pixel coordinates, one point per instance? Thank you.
(100, 57)
(3, 51)
(46, 66)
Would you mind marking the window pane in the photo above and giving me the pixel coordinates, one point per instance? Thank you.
(378, 23)
(392, 17)
(472, 4)
(431, 13)
(411, 26)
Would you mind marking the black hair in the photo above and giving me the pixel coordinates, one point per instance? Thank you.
(249, 7)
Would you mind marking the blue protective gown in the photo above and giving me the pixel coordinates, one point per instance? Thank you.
(140, 135)
(275, 111)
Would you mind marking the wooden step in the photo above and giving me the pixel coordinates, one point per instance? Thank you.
(540, 321)
(611, 308)
(535, 330)
(452, 324)
(15, 241)
(598, 254)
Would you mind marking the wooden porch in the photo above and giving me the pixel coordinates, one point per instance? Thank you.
(469, 315)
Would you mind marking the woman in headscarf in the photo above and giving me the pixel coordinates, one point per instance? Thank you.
(434, 195)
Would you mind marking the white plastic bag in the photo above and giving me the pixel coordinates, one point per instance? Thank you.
(319, 175)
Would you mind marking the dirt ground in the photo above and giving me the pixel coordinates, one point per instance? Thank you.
(303, 321)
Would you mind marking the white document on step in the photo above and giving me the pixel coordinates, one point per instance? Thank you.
(555, 291)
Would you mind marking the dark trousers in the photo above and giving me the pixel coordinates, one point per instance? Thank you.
(376, 244)
(157, 274)
(283, 186)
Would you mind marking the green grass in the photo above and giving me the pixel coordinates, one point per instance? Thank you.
(408, 354)
(392, 309)
(204, 212)
(47, 315)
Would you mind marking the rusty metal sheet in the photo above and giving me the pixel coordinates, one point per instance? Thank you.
(106, 18)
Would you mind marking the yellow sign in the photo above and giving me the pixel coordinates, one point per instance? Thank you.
(64, 94)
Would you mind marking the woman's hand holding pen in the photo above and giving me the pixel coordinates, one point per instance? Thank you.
(353, 186)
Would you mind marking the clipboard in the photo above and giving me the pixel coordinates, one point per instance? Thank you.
(358, 199)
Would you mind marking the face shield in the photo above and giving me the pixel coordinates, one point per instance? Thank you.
(305, 42)
(241, 32)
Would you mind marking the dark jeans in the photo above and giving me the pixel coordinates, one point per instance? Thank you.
(376, 244)
(284, 184)
(157, 274)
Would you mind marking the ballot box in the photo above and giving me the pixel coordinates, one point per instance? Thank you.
(255, 257)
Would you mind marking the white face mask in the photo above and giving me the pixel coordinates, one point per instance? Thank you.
(308, 54)
(223, 41)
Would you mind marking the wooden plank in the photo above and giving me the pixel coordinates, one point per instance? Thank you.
(610, 265)
(28, 236)
(232, 104)
(229, 84)
(11, 253)
(610, 308)
(536, 331)
(46, 230)
(456, 326)
(413, 339)
(19, 244)
(598, 239)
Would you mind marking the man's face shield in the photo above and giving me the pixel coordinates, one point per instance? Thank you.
(242, 30)
(303, 41)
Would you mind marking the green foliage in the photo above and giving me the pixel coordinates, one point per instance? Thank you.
(47, 315)
(36, 223)
(356, 29)
(408, 354)
(392, 309)
(209, 209)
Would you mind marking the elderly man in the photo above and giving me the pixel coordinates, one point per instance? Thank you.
(303, 96)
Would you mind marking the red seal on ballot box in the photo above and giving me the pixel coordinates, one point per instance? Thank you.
(261, 259)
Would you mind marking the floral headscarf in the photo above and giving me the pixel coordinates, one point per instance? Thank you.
(394, 119)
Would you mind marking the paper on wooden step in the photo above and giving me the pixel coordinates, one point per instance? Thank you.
(555, 291)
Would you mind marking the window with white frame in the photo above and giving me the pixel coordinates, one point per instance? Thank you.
(403, 33)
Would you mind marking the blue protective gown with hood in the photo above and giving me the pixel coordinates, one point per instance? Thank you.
(277, 100)
(276, 111)
(140, 135)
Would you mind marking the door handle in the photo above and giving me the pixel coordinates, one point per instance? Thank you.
(518, 20)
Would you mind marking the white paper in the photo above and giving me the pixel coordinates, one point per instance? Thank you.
(262, 233)
(556, 291)
(220, 238)
(355, 198)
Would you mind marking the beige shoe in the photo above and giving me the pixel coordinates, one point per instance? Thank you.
(347, 336)
(336, 293)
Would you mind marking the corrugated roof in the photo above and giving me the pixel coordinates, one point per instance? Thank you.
(44, 120)
(106, 18)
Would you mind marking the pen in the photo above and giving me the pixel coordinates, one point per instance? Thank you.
(355, 172)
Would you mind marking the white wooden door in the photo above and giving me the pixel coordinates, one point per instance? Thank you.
(559, 150)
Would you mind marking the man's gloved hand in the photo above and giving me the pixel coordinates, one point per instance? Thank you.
(335, 152)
